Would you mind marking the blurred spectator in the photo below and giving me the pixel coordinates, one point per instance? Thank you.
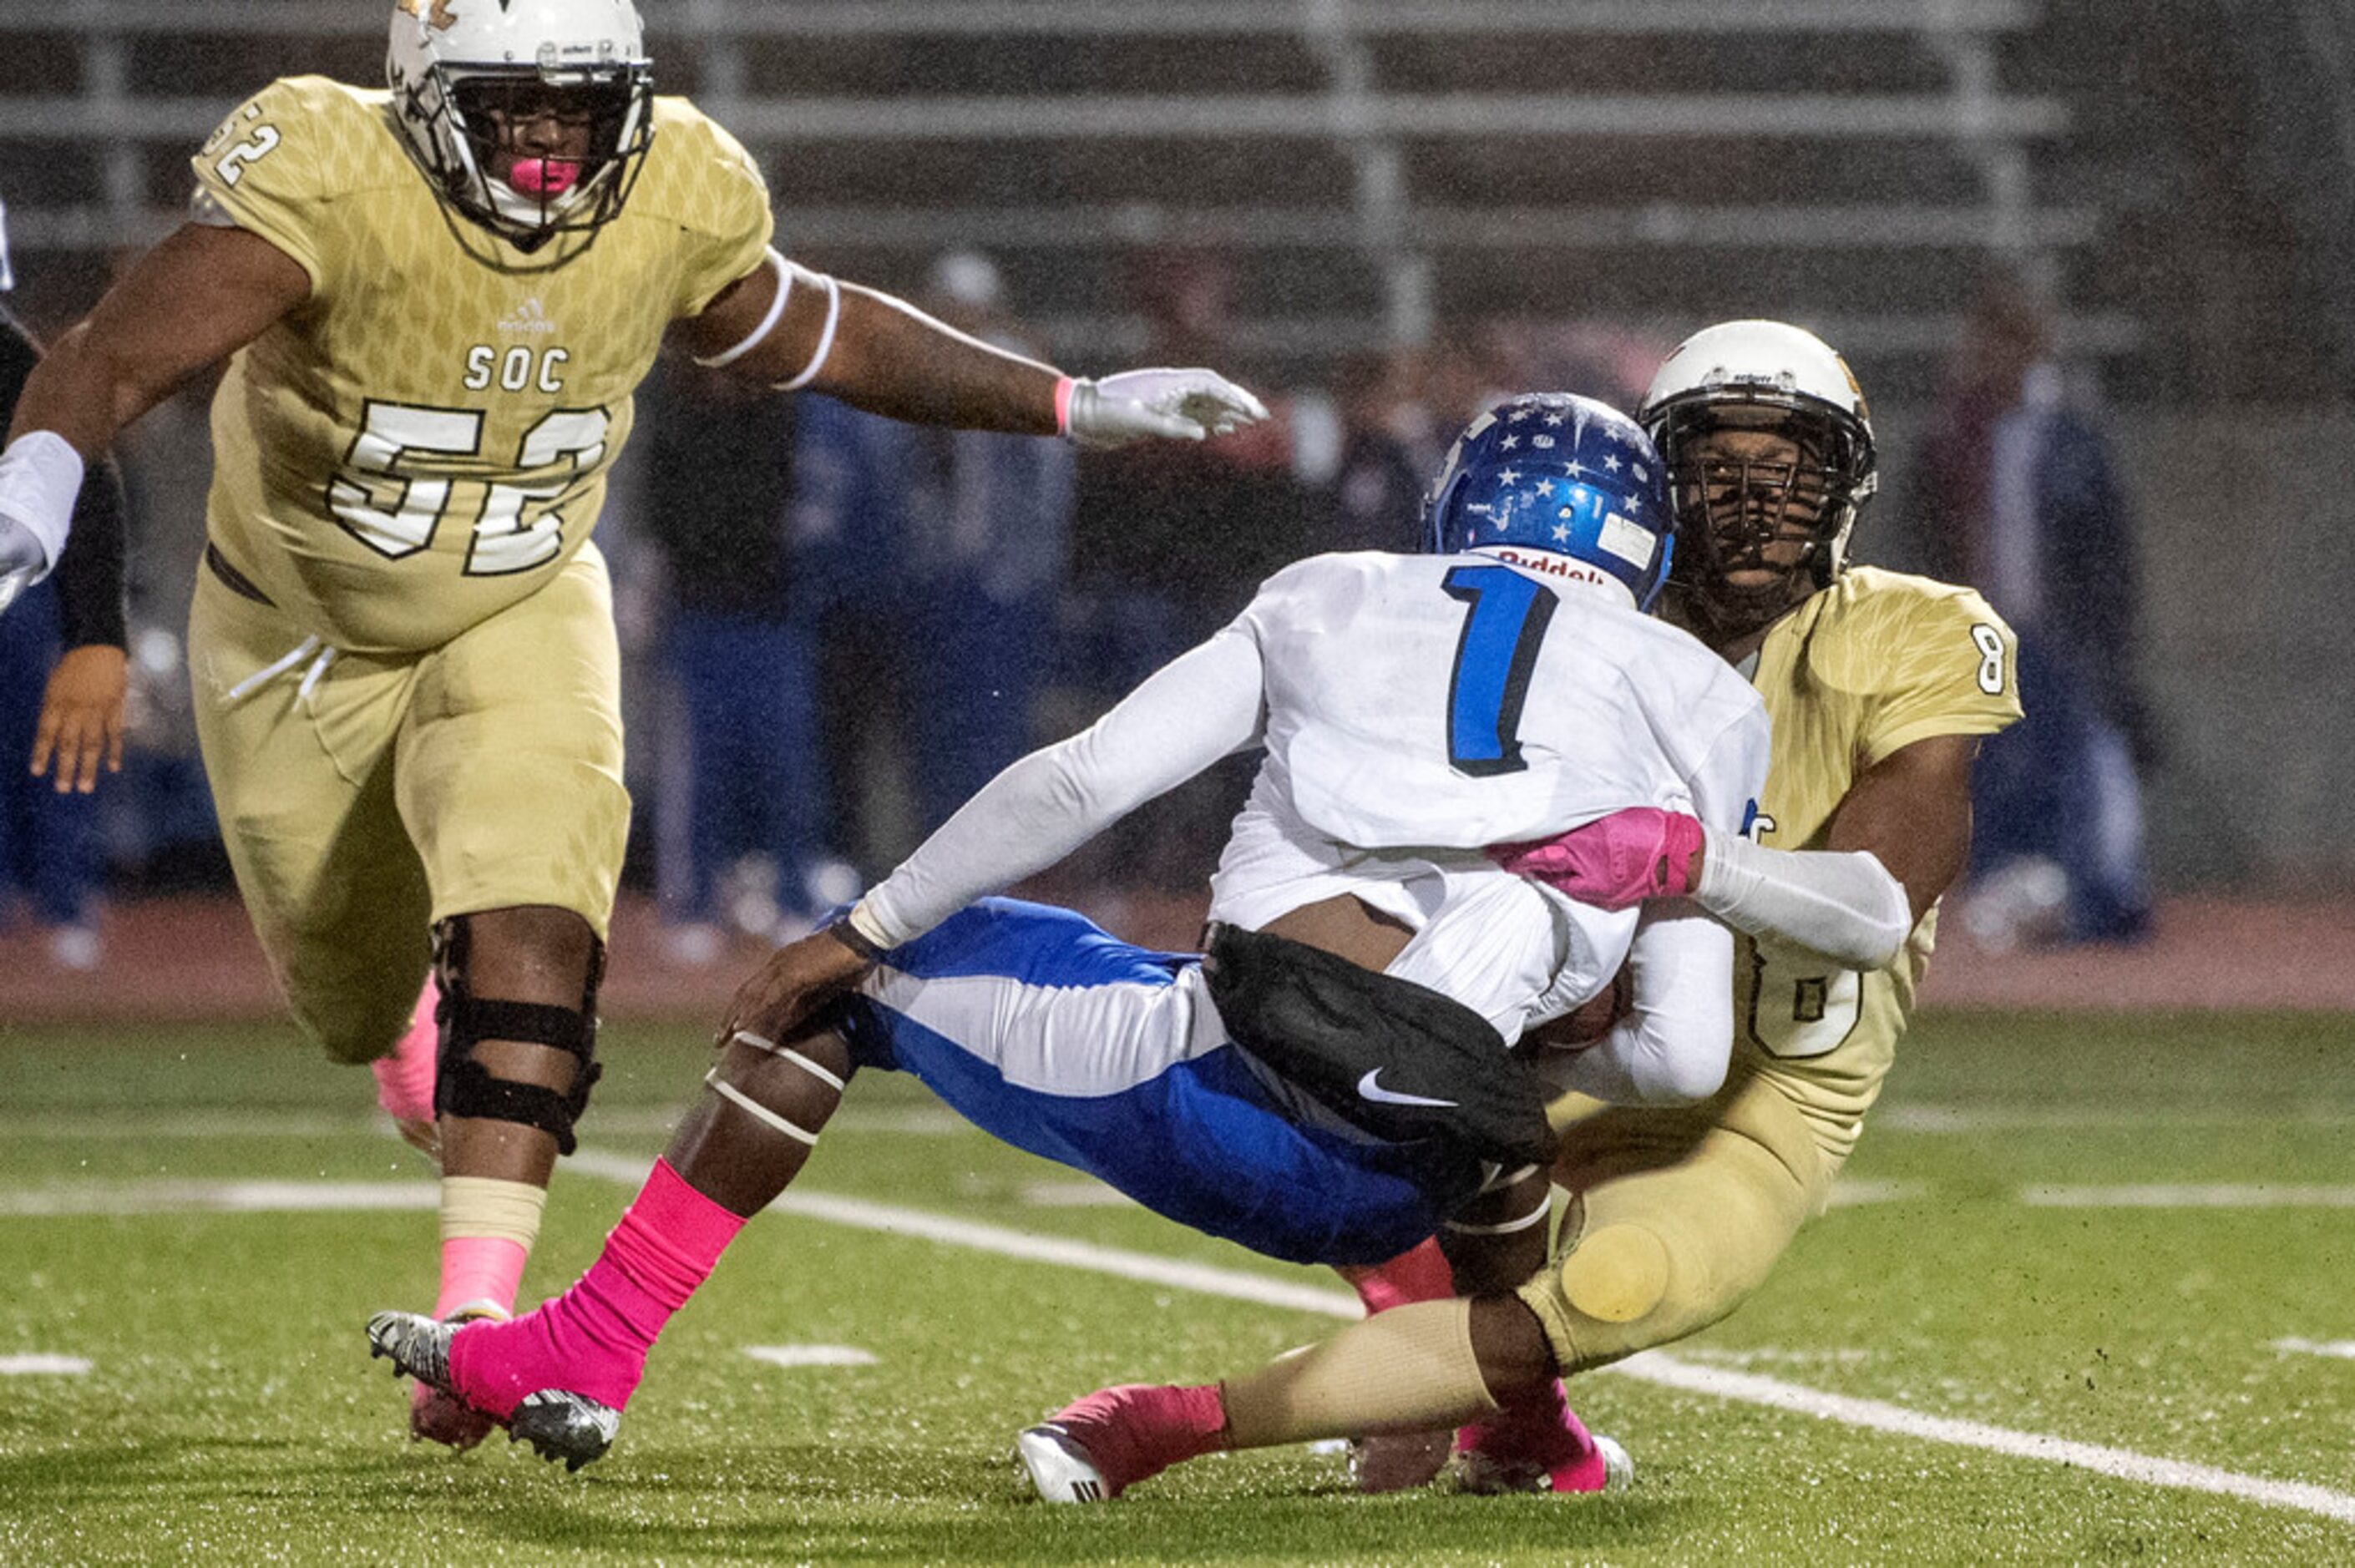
(745, 786)
(2018, 495)
(1596, 359)
(61, 658)
(49, 839)
(933, 560)
(1168, 542)
(1376, 491)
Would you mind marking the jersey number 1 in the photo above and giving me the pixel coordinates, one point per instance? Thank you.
(1493, 661)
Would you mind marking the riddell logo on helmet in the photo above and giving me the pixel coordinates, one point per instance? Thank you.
(1551, 565)
(437, 16)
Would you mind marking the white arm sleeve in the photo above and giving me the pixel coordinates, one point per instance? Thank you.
(1672, 1047)
(1844, 906)
(1200, 706)
(40, 475)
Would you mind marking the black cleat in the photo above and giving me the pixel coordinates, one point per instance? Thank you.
(557, 1422)
(418, 1346)
(560, 1424)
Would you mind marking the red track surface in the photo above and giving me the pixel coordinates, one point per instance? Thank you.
(191, 959)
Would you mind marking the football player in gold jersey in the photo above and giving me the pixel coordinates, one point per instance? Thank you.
(436, 301)
(1879, 686)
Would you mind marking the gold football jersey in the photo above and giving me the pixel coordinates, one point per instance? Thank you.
(1873, 664)
(425, 440)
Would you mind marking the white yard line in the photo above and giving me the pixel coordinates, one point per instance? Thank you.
(922, 1121)
(1085, 1193)
(811, 1355)
(2191, 1195)
(2342, 1350)
(1652, 1366)
(219, 1197)
(1874, 1414)
(38, 1365)
(1933, 1118)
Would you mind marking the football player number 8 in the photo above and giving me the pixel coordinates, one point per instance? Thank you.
(385, 499)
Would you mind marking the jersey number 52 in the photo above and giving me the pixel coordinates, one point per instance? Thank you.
(393, 492)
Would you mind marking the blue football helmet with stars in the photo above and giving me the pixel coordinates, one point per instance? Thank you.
(1555, 471)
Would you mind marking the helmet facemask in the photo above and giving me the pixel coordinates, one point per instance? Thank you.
(1763, 510)
(531, 153)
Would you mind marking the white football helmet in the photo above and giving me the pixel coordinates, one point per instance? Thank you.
(451, 64)
(1762, 376)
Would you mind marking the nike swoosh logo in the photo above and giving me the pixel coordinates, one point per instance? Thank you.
(1368, 1090)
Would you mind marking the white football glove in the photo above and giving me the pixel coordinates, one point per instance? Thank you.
(1179, 404)
(22, 562)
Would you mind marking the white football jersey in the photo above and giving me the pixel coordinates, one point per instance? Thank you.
(1419, 708)
(1415, 710)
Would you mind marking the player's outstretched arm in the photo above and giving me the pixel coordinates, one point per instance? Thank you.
(197, 297)
(790, 327)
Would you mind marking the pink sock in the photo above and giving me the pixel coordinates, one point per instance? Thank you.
(1419, 1274)
(1538, 1428)
(594, 1339)
(404, 1080)
(477, 1269)
(1137, 1431)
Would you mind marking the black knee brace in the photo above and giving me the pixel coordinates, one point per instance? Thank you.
(462, 1086)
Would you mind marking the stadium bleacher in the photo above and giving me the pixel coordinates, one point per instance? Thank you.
(1378, 167)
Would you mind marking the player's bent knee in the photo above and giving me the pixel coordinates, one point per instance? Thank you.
(466, 1087)
(1617, 1275)
(1611, 1295)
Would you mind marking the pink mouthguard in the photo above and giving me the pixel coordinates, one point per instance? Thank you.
(543, 176)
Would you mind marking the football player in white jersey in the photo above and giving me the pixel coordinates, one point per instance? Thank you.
(1338, 1077)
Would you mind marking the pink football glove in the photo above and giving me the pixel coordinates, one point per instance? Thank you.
(1615, 862)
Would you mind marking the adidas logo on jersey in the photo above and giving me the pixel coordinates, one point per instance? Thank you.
(530, 317)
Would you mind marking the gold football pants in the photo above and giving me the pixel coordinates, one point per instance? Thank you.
(364, 797)
(1674, 1217)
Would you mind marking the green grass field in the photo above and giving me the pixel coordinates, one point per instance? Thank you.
(1982, 1274)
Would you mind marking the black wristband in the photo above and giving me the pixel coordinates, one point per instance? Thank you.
(852, 936)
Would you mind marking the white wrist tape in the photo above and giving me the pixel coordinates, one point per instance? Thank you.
(40, 474)
(875, 926)
(1844, 906)
(752, 339)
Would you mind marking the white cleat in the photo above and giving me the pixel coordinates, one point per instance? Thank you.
(1060, 1470)
(1618, 1465)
